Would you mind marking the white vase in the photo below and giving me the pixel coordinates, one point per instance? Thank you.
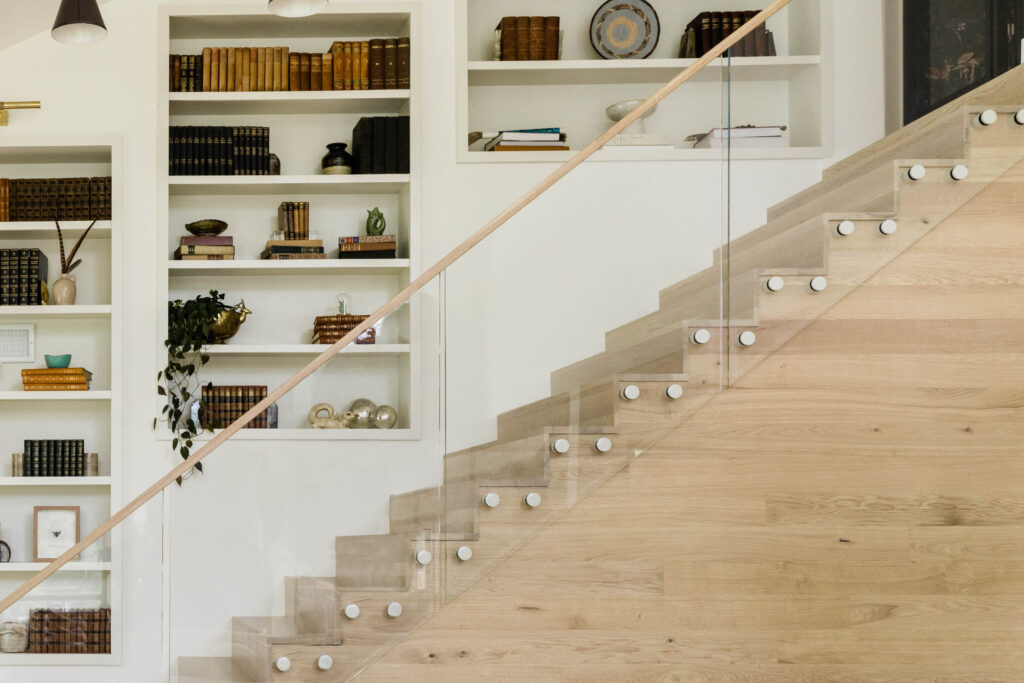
(64, 290)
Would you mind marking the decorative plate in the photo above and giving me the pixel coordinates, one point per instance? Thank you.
(625, 30)
(207, 227)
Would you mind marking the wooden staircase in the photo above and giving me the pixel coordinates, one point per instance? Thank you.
(799, 242)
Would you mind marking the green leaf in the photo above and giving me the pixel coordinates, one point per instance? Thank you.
(199, 466)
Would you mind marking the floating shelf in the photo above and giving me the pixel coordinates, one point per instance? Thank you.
(599, 71)
(323, 102)
(296, 267)
(309, 435)
(47, 229)
(654, 154)
(39, 659)
(62, 312)
(244, 350)
(54, 481)
(33, 567)
(54, 395)
(391, 183)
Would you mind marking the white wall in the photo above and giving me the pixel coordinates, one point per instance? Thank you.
(588, 256)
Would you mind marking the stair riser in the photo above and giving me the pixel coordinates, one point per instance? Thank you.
(588, 406)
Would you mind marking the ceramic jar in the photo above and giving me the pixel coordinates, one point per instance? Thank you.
(337, 161)
(64, 290)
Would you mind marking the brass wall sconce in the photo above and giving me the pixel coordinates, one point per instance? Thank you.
(7, 106)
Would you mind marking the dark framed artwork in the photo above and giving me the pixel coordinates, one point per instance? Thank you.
(952, 46)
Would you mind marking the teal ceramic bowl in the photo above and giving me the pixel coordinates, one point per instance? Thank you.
(61, 361)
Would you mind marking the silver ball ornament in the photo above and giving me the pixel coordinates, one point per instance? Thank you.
(364, 413)
(385, 417)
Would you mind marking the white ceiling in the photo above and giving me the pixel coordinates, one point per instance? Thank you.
(21, 19)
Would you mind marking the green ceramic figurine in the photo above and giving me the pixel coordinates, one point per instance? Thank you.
(375, 222)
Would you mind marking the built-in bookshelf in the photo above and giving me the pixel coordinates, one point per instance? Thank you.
(286, 296)
(793, 88)
(90, 330)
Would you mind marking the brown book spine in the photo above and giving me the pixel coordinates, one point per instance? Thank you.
(315, 71)
(760, 41)
(749, 41)
(390, 64)
(223, 70)
(286, 76)
(377, 64)
(214, 69)
(261, 69)
(305, 65)
(537, 38)
(326, 71)
(230, 75)
(706, 42)
(508, 39)
(174, 77)
(275, 69)
(347, 68)
(739, 49)
(551, 37)
(254, 65)
(241, 59)
(522, 38)
(268, 70)
(244, 68)
(716, 29)
(207, 56)
(404, 67)
(364, 65)
(294, 67)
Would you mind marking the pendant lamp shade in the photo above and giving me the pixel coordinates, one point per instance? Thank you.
(78, 21)
(296, 8)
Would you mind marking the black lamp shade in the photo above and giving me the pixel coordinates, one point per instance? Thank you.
(78, 21)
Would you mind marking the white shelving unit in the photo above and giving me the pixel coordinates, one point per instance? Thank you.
(286, 296)
(792, 89)
(91, 331)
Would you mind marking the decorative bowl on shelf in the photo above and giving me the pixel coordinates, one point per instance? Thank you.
(61, 361)
(207, 227)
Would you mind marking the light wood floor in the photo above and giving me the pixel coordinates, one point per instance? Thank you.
(852, 511)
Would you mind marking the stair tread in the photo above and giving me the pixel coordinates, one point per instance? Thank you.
(210, 670)
(281, 630)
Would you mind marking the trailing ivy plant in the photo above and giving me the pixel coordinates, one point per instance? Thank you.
(188, 331)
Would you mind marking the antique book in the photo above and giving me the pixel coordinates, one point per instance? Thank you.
(347, 68)
(175, 73)
(202, 249)
(357, 66)
(275, 69)
(522, 38)
(337, 56)
(404, 67)
(285, 69)
(390, 64)
(223, 70)
(716, 29)
(305, 65)
(207, 56)
(706, 42)
(326, 72)
(315, 71)
(214, 69)
(536, 38)
(245, 67)
(364, 65)
(551, 37)
(253, 69)
(507, 26)
(241, 61)
(294, 66)
(261, 68)
(377, 64)
(231, 70)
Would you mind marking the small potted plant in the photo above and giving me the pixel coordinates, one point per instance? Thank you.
(65, 289)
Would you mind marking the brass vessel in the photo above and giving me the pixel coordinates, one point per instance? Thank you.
(228, 322)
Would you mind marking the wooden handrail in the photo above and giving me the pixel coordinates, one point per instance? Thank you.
(396, 301)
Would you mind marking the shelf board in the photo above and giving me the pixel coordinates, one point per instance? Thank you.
(245, 350)
(309, 435)
(54, 481)
(32, 567)
(297, 267)
(316, 102)
(219, 21)
(46, 229)
(391, 183)
(599, 71)
(55, 395)
(51, 312)
(676, 154)
(41, 659)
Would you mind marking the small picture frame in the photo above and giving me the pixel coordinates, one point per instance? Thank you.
(56, 529)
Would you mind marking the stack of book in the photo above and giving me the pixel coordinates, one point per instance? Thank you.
(56, 379)
(225, 404)
(23, 275)
(69, 631)
(206, 248)
(378, 64)
(367, 246)
(54, 458)
(710, 28)
(527, 38)
(328, 329)
(742, 136)
(530, 140)
(293, 249)
(46, 199)
(293, 220)
(219, 150)
(380, 144)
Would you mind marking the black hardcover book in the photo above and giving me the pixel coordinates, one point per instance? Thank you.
(5, 266)
(266, 151)
(390, 144)
(378, 145)
(360, 147)
(403, 144)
